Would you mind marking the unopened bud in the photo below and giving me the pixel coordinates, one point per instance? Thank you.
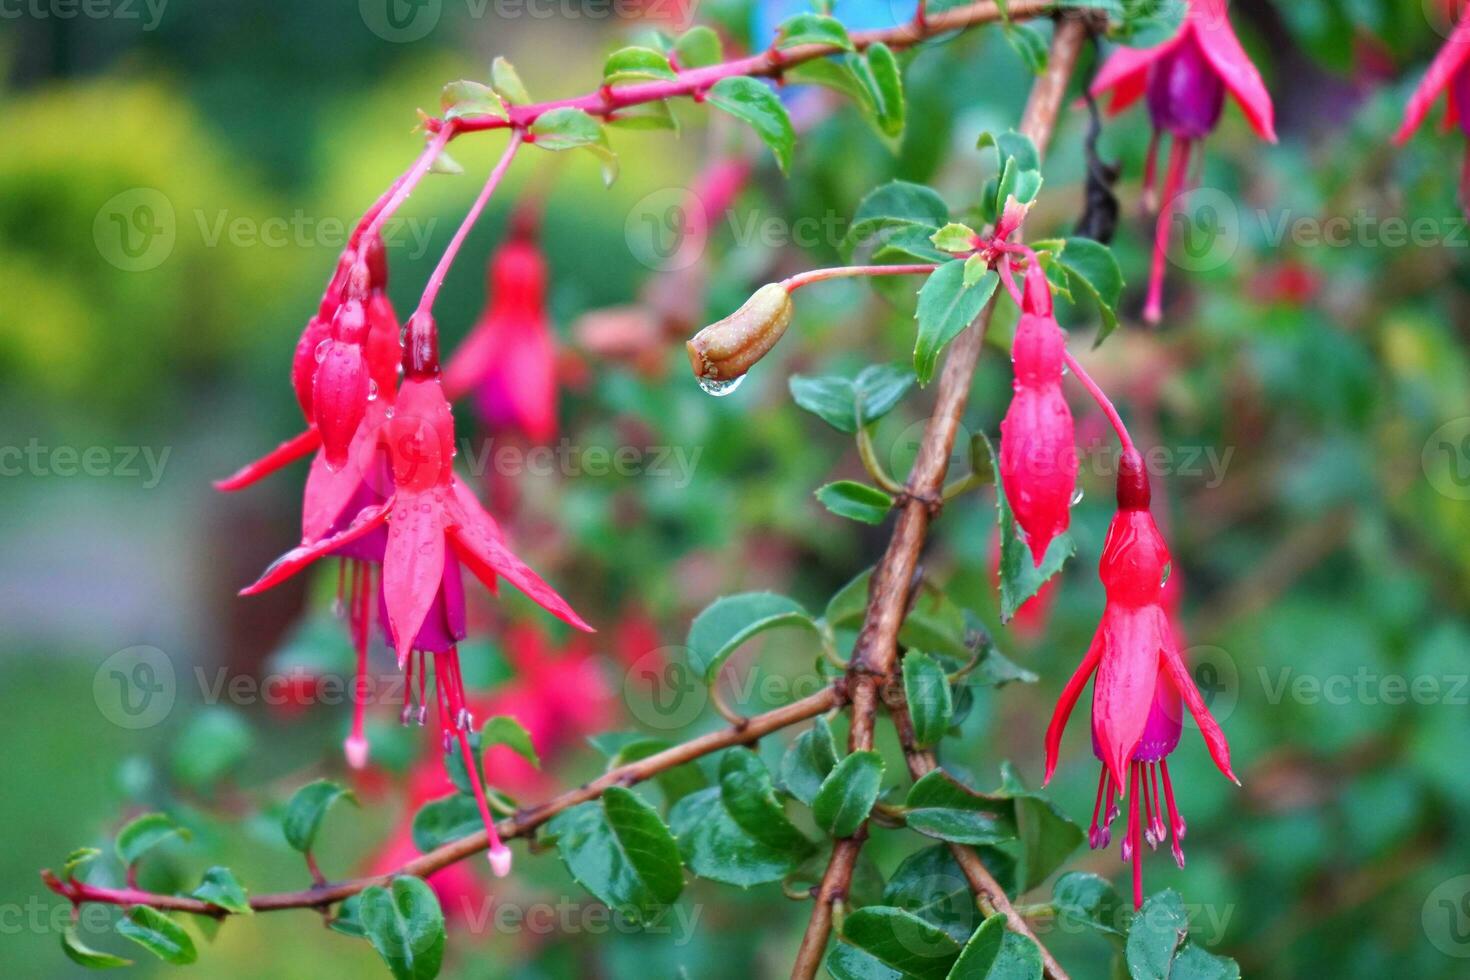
(725, 350)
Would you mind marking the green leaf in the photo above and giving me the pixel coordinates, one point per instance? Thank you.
(157, 933)
(940, 807)
(466, 98)
(506, 82)
(1011, 146)
(446, 819)
(994, 953)
(933, 622)
(1030, 44)
(1048, 836)
(847, 405)
(79, 859)
(855, 501)
(306, 808)
(1020, 576)
(568, 128)
(647, 115)
(754, 103)
(737, 832)
(1196, 963)
(902, 941)
(505, 730)
(931, 703)
(219, 887)
(698, 47)
(1090, 900)
(807, 763)
(80, 953)
(954, 237)
(833, 74)
(618, 848)
(848, 793)
(728, 622)
(215, 741)
(636, 65)
(676, 782)
(888, 111)
(930, 884)
(143, 833)
(1092, 265)
(946, 307)
(890, 211)
(808, 28)
(1157, 932)
(348, 918)
(405, 925)
(445, 164)
(846, 962)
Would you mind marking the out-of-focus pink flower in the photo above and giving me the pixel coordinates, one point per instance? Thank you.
(1449, 74)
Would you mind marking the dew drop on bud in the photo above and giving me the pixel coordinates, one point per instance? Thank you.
(321, 350)
(1076, 497)
(372, 391)
(720, 388)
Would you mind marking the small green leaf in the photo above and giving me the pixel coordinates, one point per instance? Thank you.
(647, 115)
(754, 103)
(618, 848)
(930, 884)
(306, 808)
(505, 730)
(1157, 932)
(976, 266)
(1048, 836)
(157, 933)
(994, 953)
(219, 887)
(1020, 576)
(931, 703)
(1196, 963)
(568, 128)
(1030, 44)
(848, 793)
(893, 210)
(847, 405)
(1090, 900)
(809, 28)
(466, 98)
(889, 110)
(1092, 265)
(954, 237)
(214, 742)
(855, 501)
(348, 918)
(80, 953)
(940, 807)
(144, 833)
(902, 941)
(946, 307)
(807, 763)
(698, 47)
(79, 859)
(507, 82)
(446, 165)
(405, 925)
(728, 622)
(446, 819)
(636, 65)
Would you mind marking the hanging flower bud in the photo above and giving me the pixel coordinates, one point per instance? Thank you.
(1038, 455)
(1141, 678)
(1449, 73)
(724, 351)
(1185, 80)
(342, 384)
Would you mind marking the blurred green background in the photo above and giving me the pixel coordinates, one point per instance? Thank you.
(174, 185)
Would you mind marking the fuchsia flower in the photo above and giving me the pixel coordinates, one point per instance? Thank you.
(420, 531)
(508, 360)
(1449, 73)
(1185, 80)
(1038, 454)
(1141, 680)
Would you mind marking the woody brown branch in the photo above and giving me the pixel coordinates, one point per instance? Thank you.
(876, 650)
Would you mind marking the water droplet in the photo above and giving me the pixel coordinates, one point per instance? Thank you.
(339, 608)
(372, 391)
(321, 350)
(1076, 497)
(720, 388)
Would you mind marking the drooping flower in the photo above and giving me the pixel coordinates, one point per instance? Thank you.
(1141, 677)
(433, 526)
(1038, 453)
(1185, 80)
(508, 361)
(1449, 73)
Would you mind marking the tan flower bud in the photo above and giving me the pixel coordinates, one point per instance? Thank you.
(725, 350)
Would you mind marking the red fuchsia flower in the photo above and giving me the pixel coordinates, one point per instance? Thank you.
(1038, 455)
(1449, 73)
(508, 360)
(1185, 80)
(1141, 680)
(433, 524)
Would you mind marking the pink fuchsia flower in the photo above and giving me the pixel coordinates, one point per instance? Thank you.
(1449, 74)
(508, 361)
(433, 525)
(1141, 678)
(1038, 454)
(1184, 81)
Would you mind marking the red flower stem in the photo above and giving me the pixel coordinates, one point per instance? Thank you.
(431, 290)
(793, 283)
(694, 82)
(443, 133)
